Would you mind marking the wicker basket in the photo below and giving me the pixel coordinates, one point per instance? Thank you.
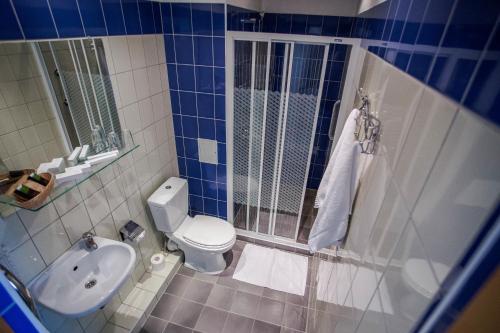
(38, 200)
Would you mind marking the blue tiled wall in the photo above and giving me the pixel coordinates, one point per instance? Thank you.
(450, 45)
(332, 91)
(37, 19)
(194, 44)
(15, 313)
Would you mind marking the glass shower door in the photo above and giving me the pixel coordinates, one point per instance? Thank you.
(299, 124)
(275, 105)
(250, 86)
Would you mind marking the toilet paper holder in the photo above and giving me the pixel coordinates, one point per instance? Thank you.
(132, 231)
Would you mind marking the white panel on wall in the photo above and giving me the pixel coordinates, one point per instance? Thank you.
(431, 184)
(462, 189)
(425, 138)
(207, 151)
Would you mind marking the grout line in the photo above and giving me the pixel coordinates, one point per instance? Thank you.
(441, 40)
(17, 18)
(104, 19)
(139, 16)
(53, 20)
(484, 52)
(81, 18)
(123, 18)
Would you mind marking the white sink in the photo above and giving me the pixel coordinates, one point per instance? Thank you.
(81, 280)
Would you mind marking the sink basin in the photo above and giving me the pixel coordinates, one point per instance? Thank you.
(81, 280)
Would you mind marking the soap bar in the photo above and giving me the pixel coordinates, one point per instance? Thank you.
(73, 158)
(113, 153)
(69, 175)
(56, 166)
(84, 168)
(83, 153)
(102, 159)
(73, 173)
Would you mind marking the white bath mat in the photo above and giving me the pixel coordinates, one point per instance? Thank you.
(272, 268)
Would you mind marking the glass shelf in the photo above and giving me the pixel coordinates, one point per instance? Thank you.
(60, 190)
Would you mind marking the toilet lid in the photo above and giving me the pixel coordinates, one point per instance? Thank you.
(209, 231)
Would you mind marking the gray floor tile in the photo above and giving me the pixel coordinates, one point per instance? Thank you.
(245, 304)
(295, 317)
(236, 323)
(253, 309)
(270, 311)
(186, 271)
(187, 313)
(166, 307)
(226, 279)
(211, 320)
(319, 321)
(239, 245)
(173, 328)
(250, 288)
(206, 277)
(274, 294)
(178, 285)
(154, 325)
(221, 297)
(262, 327)
(297, 299)
(198, 291)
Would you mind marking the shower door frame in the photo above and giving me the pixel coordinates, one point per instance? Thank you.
(348, 95)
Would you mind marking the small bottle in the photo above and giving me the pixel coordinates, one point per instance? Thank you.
(25, 192)
(16, 173)
(38, 179)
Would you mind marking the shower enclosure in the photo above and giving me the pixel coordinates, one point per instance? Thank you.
(273, 108)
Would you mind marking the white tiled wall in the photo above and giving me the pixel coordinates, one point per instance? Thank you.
(28, 130)
(29, 241)
(425, 195)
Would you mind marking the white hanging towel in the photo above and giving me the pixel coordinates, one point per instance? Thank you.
(337, 189)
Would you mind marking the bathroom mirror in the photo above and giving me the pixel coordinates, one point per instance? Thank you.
(55, 96)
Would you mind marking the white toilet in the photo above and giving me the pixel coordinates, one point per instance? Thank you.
(203, 239)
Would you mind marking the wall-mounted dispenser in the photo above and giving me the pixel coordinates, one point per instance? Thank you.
(132, 232)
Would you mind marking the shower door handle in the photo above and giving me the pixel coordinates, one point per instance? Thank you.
(331, 130)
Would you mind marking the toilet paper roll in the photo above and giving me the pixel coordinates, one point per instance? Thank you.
(157, 262)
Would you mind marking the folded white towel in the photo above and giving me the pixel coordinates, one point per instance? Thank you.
(337, 189)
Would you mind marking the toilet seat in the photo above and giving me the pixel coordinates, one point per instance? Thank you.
(207, 233)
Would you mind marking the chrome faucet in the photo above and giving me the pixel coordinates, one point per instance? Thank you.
(90, 244)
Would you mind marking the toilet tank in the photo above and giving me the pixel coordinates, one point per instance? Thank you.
(169, 204)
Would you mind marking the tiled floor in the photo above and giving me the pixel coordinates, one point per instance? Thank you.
(285, 223)
(195, 302)
(308, 216)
